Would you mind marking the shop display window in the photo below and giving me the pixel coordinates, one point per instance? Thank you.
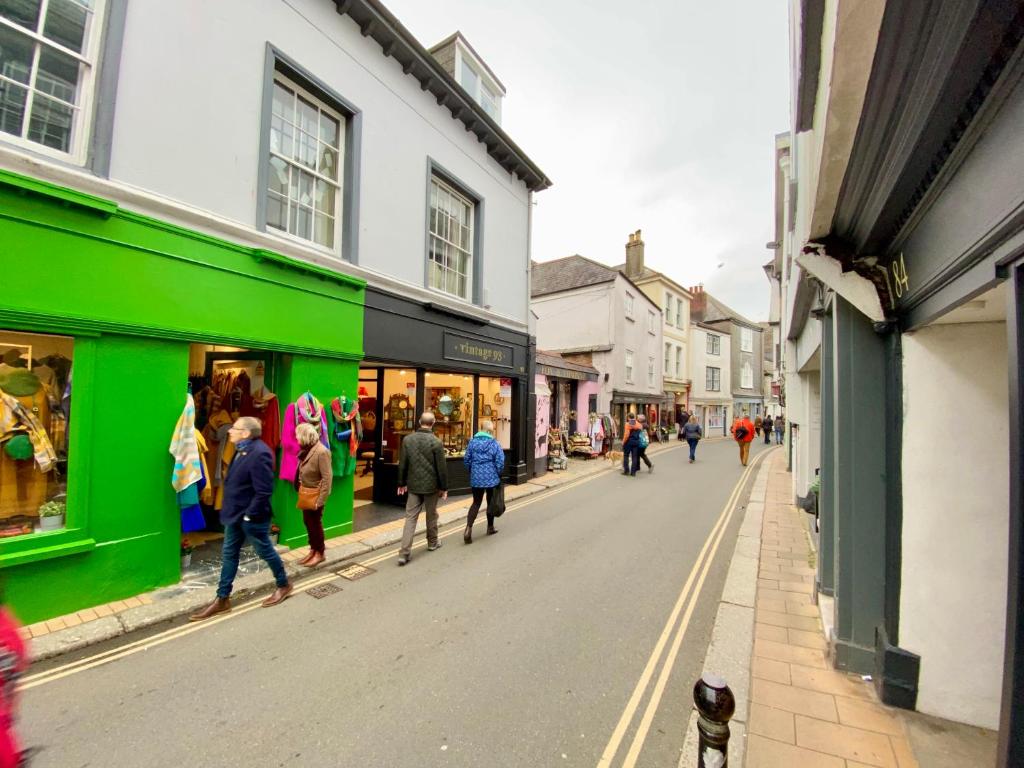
(450, 397)
(400, 415)
(35, 412)
(495, 404)
(363, 492)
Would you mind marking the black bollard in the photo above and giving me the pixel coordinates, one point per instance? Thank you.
(715, 705)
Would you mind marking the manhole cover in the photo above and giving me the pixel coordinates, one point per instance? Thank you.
(355, 571)
(323, 590)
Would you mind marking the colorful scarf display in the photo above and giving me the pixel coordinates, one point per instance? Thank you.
(185, 450)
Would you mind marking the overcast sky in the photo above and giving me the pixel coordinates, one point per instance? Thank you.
(657, 116)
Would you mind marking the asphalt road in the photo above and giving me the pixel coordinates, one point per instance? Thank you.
(523, 649)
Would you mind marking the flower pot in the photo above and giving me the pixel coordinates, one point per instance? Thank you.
(51, 523)
(186, 560)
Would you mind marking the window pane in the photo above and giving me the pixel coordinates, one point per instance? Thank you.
(326, 197)
(277, 179)
(66, 22)
(329, 130)
(323, 230)
(301, 223)
(58, 75)
(12, 108)
(284, 101)
(50, 123)
(277, 208)
(281, 136)
(15, 55)
(308, 117)
(305, 149)
(33, 473)
(24, 13)
(469, 78)
(305, 196)
(328, 163)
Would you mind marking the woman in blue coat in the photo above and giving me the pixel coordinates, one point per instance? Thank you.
(485, 460)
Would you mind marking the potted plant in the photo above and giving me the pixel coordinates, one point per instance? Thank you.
(275, 533)
(186, 552)
(51, 515)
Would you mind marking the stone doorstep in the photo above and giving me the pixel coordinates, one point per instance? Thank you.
(97, 624)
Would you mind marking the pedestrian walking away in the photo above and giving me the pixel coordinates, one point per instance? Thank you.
(631, 446)
(692, 432)
(758, 422)
(645, 440)
(313, 482)
(743, 434)
(423, 475)
(246, 513)
(767, 426)
(485, 460)
(780, 430)
(681, 421)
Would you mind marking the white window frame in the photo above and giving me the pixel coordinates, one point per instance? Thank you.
(679, 313)
(627, 305)
(679, 362)
(651, 323)
(88, 60)
(746, 340)
(714, 344)
(629, 366)
(747, 375)
(668, 308)
(484, 86)
(713, 379)
(668, 356)
(335, 248)
(650, 371)
(438, 183)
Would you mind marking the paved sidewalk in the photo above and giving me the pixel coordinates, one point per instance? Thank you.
(104, 622)
(803, 712)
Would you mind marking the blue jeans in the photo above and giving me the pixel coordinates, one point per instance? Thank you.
(692, 442)
(234, 537)
(630, 456)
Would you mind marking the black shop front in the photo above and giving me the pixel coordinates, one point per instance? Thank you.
(429, 357)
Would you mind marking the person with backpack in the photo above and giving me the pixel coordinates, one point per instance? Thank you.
(645, 440)
(767, 426)
(631, 446)
(485, 460)
(692, 433)
(743, 434)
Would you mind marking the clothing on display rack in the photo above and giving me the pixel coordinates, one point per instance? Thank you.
(346, 432)
(307, 409)
(596, 433)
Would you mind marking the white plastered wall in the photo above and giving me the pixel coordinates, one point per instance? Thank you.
(956, 517)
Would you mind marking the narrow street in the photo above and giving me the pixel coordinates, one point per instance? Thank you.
(523, 649)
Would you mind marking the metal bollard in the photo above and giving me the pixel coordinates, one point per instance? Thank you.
(715, 705)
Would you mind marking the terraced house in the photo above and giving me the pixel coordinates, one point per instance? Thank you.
(307, 202)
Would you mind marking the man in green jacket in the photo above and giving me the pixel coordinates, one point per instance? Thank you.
(423, 474)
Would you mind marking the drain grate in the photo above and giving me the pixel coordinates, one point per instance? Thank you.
(323, 590)
(355, 571)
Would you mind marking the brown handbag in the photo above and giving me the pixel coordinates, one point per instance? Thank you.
(308, 498)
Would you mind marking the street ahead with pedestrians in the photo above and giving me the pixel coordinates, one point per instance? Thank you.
(572, 638)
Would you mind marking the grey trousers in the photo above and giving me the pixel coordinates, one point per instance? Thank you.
(413, 505)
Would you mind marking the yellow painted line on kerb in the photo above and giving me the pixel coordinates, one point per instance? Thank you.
(114, 654)
(705, 558)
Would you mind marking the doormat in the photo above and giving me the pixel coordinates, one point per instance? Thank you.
(355, 571)
(323, 590)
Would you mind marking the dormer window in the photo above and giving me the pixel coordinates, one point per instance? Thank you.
(459, 60)
(477, 87)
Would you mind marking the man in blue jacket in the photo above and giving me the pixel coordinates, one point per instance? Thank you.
(246, 513)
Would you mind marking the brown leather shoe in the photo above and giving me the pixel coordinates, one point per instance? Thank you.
(315, 560)
(220, 605)
(279, 596)
(307, 558)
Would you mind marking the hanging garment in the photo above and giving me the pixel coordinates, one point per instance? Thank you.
(16, 418)
(185, 449)
(205, 486)
(216, 435)
(345, 435)
(269, 413)
(306, 409)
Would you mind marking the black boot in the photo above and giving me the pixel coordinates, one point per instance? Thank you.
(491, 530)
(467, 535)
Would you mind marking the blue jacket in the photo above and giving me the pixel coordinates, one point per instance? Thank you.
(485, 460)
(249, 484)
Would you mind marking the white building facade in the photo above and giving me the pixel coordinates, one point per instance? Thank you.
(711, 370)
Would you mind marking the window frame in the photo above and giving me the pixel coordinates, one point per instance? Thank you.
(668, 308)
(83, 113)
(714, 344)
(679, 313)
(712, 378)
(652, 327)
(347, 219)
(651, 371)
(668, 356)
(629, 366)
(746, 340)
(628, 305)
(679, 362)
(746, 374)
(474, 280)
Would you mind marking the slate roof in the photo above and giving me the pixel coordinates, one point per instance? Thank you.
(565, 274)
(716, 311)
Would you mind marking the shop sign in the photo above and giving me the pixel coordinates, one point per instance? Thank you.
(470, 350)
(565, 373)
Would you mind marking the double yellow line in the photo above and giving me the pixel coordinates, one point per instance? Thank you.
(688, 598)
(122, 651)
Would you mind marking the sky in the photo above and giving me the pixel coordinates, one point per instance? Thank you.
(658, 116)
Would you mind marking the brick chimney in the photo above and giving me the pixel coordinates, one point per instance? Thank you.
(699, 303)
(634, 256)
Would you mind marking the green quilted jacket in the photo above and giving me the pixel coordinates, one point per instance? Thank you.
(422, 465)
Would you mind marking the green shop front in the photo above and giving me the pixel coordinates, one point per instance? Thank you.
(108, 320)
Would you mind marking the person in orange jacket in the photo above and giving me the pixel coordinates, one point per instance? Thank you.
(743, 434)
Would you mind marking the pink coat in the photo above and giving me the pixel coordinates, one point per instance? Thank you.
(290, 445)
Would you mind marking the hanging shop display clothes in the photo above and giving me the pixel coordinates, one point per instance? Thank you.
(307, 409)
(596, 434)
(185, 449)
(345, 435)
(216, 435)
(26, 453)
(268, 411)
(188, 500)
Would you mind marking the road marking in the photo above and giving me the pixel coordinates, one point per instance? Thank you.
(634, 700)
(144, 644)
(670, 660)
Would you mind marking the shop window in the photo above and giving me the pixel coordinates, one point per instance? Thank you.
(449, 396)
(400, 416)
(451, 240)
(48, 56)
(495, 404)
(367, 452)
(35, 412)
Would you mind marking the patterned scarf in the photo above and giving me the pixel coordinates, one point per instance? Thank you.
(309, 409)
(185, 450)
(15, 417)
